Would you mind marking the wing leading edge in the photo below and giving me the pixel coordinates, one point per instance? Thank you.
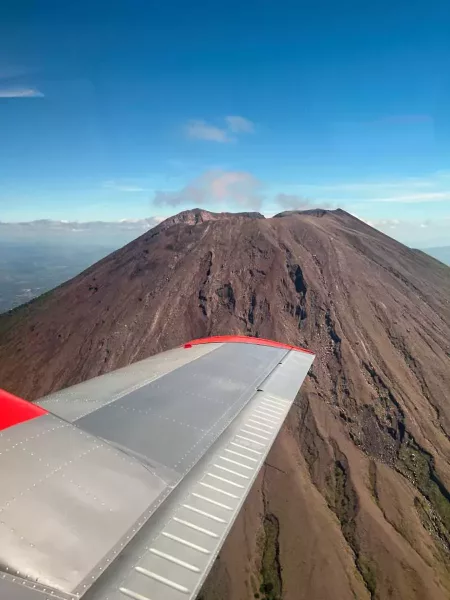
(149, 465)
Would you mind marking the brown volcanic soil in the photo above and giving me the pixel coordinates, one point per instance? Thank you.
(354, 499)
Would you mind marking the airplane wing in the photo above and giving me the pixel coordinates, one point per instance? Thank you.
(126, 486)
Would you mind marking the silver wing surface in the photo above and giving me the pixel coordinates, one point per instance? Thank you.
(126, 486)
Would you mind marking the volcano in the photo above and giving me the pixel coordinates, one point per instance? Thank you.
(353, 501)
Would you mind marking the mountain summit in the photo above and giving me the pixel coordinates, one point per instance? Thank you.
(354, 499)
(194, 216)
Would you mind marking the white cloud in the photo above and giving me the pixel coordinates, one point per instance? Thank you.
(413, 232)
(61, 226)
(379, 223)
(201, 130)
(216, 187)
(234, 125)
(238, 124)
(20, 92)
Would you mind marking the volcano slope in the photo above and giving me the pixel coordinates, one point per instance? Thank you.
(354, 499)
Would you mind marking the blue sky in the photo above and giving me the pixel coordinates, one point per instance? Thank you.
(113, 110)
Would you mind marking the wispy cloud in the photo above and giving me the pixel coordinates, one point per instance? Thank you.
(414, 198)
(366, 186)
(418, 233)
(297, 202)
(433, 187)
(238, 124)
(123, 187)
(363, 187)
(382, 223)
(201, 130)
(20, 92)
(234, 125)
(217, 188)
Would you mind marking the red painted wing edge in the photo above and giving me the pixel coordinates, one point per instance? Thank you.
(14, 410)
(243, 339)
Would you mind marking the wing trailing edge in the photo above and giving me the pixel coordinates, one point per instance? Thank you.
(149, 464)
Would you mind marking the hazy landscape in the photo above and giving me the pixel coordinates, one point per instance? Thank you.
(38, 256)
(28, 270)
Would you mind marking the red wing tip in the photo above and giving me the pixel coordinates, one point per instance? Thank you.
(14, 410)
(243, 339)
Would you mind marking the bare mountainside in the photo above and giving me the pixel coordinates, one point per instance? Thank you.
(354, 499)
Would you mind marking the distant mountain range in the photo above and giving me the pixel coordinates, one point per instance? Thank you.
(354, 498)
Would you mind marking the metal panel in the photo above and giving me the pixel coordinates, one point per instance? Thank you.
(71, 503)
(177, 547)
(78, 400)
(66, 500)
(15, 588)
(174, 420)
(283, 381)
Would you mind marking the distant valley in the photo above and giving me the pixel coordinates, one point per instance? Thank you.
(30, 269)
(40, 255)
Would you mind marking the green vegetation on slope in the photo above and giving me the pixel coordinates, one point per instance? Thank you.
(271, 585)
(418, 466)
